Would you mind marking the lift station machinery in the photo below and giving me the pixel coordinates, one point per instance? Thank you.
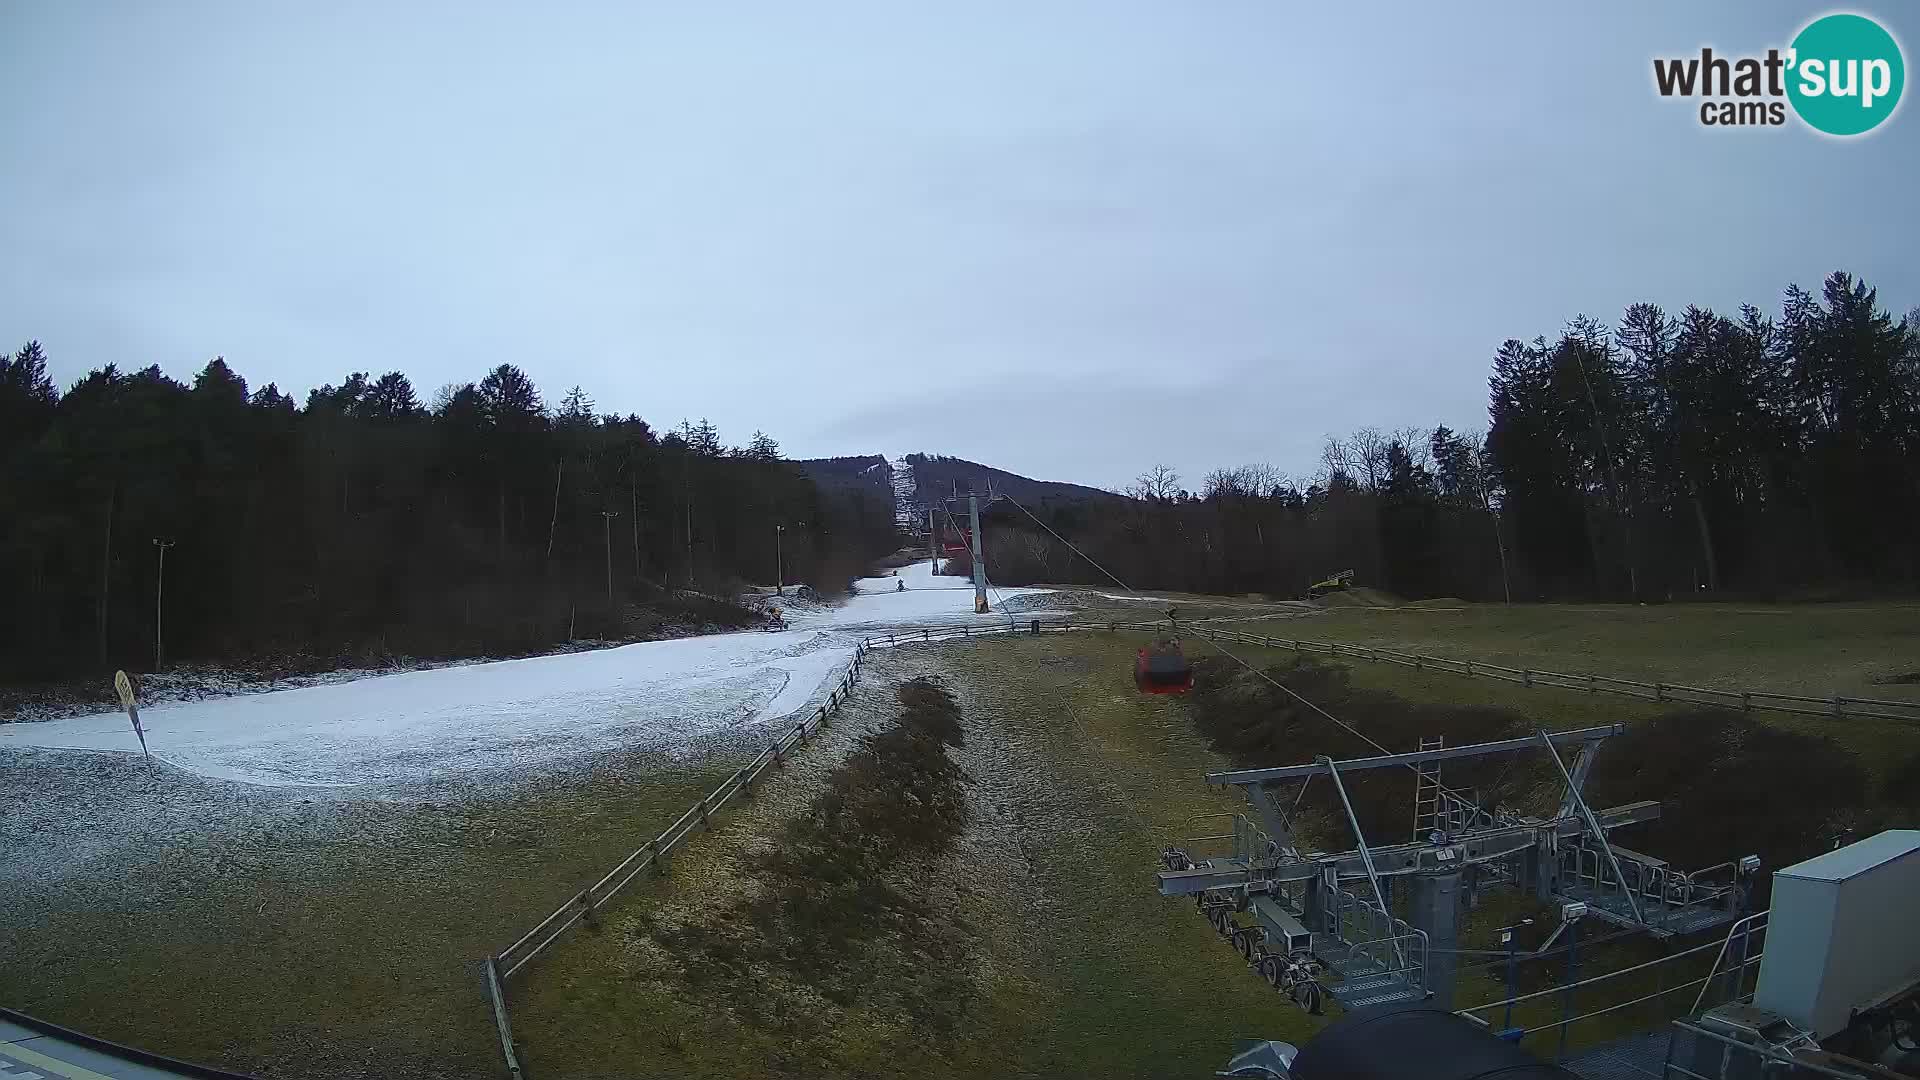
(1326, 922)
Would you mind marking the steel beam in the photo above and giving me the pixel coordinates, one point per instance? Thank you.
(1599, 833)
(1273, 818)
(1483, 846)
(1284, 773)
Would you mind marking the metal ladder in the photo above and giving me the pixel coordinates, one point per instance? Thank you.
(1426, 790)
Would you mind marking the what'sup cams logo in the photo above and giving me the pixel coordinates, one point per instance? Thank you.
(1842, 76)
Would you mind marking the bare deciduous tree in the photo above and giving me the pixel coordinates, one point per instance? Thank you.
(1158, 484)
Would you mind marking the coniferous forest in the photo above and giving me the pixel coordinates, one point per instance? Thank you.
(1697, 453)
(365, 523)
(1702, 454)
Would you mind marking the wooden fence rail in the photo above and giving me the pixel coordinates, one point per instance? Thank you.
(1836, 705)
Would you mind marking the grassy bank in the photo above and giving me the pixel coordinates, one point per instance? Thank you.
(1071, 964)
(1814, 649)
(334, 939)
(1884, 747)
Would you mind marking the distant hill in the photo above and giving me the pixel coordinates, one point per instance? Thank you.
(867, 473)
(937, 477)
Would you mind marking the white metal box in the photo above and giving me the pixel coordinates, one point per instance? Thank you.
(1843, 933)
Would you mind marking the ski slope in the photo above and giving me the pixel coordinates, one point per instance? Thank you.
(905, 513)
(419, 726)
(929, 600)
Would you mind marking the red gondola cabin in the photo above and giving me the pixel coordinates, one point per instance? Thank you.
(1162, 668)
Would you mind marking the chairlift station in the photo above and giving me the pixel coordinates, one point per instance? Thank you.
(1325, 921)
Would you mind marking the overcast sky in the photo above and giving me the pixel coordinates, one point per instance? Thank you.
(1068, 239)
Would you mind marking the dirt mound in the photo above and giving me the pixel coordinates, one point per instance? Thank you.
(1719, 775)
(830, 934)
(1256, 725)
(1724, 779)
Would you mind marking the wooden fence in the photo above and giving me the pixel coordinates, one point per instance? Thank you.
(1836, 705)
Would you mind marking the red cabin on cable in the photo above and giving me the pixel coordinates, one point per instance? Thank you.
(1162, 668)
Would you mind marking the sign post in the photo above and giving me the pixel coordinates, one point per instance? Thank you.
(124, 687)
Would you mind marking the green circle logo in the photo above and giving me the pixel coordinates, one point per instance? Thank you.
(1845, 74)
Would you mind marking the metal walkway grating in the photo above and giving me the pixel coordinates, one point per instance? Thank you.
(1632, 1057)
(1363, 981)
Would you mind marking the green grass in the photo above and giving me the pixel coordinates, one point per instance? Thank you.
(362, 959)
(1881, 745)
(1080, 967)
(1813, 649)
(1090, 972)
(359, 958)
(1141, 984)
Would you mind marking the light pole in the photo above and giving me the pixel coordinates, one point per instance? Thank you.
(1506, 938)
(979, 558)
(159, 593)
(779, 563)
(607, 517)
(1571, 914)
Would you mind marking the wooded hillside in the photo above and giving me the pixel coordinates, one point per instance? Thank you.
(1665, 456)
(365, 522)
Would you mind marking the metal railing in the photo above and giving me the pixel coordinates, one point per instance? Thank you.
(1836, 705)
(1386, 943)
(1736, 956)
(1745, 939)
(1662, 895)
(1710, 1055)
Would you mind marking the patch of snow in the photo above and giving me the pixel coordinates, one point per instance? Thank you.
(905, 513)
(411, 727)
(419, 727)
(930, 599)
(1141, 599)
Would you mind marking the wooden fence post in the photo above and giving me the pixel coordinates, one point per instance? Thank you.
(500, 1017)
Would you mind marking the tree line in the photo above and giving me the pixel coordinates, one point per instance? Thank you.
(1665, 456)
(365, 523)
